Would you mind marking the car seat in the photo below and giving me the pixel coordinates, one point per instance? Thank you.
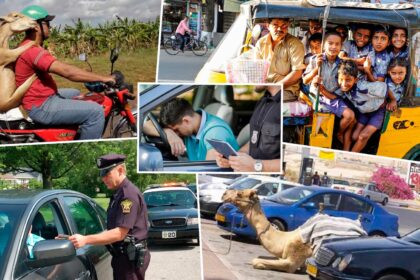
(243, 136)
(39, 225)
(222, 107)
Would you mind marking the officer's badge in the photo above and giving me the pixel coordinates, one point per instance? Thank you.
(126, 206)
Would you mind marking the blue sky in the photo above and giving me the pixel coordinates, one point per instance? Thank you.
(92, 11)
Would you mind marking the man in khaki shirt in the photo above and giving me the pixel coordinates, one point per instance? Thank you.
(286, 53)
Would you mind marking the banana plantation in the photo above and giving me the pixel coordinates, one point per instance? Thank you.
(127, 34)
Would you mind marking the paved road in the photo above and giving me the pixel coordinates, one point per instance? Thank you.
(170, 262)
(221, 264)
(180, 68)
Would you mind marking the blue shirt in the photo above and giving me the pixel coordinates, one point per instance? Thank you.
(31, 241)
(211, 127)
(380, 62)
(397, 90)
(352, 51)
(402, 54)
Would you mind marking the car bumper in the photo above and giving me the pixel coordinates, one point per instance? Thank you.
(327, 273)
(184, 234)
(209, 207)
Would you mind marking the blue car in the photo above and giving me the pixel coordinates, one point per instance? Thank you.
(289, 209)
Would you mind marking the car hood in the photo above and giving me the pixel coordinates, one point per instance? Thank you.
(370, 244)
(268, 203)
(172, 211)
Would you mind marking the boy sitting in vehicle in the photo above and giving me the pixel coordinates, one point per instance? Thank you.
(358, 49)
(314, 45)
(376, 64)
(328, 84)
(368, 99)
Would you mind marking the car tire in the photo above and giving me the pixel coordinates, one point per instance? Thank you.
(392, 277)
(385, 201)
(277, 224)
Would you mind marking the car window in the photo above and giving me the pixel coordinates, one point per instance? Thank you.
(268, 189)
(290, 196)
(341, 182)
(170, 198)
(86, 219)
(353, 204)
(330, 200)
(46, 224)
(10, 217)
(244, 183)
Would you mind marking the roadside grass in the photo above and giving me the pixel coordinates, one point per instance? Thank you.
(139, 66)
(102, 201)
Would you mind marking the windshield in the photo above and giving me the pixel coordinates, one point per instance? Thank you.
(10, 216)
(341, 182)
(290, 196)
(413, 237)
(244, 183)
(183, 198)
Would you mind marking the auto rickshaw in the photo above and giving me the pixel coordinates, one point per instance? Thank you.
(400, 134)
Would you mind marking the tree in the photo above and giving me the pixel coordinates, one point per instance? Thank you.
(391, 183)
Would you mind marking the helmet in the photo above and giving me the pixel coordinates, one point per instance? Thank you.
(37, 13)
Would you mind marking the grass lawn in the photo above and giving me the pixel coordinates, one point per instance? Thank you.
(137, 67)
(102, 201)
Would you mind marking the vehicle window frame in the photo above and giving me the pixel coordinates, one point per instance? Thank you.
(342, 200)
(337, 203)
(63, 228)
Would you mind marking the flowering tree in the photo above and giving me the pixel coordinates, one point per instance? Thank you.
(392, 184)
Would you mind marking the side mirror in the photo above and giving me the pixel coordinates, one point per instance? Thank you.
(150, 158)
(309, 205)
(114, 55)
(51, 252)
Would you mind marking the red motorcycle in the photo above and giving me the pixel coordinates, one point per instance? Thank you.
(113, 98)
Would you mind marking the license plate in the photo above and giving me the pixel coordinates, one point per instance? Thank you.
(168, 234)
(220, 218)
(311, 270)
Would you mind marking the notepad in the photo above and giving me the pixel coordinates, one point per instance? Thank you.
(223, 147)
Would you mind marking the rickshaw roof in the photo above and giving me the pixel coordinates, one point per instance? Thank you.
(402, 15)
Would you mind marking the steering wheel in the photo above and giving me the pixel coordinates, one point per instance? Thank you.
(162, 134)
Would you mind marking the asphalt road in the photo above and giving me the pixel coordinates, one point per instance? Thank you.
(222, 264)
(170, 261)
(180, 68)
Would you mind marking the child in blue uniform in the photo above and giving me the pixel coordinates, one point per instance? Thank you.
(397, 72)
(399, 46)
(376, 64)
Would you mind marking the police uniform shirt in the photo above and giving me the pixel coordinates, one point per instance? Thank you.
(128, 209)
(265, 128)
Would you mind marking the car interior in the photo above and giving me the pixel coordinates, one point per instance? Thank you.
(234, 104)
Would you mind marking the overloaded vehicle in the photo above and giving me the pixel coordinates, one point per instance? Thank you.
(27, 216)
(302, 124)
(289, 209)
(120, 118)
(389, 258)
(210, 197)
(233, 104)
(173, 215)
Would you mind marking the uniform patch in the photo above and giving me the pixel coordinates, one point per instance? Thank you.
(126, 206)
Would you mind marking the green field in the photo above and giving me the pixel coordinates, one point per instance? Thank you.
(139, 66)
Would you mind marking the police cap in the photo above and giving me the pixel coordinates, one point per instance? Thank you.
(107, 162)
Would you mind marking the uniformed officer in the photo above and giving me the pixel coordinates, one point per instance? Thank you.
(127, 223)
(262, 152)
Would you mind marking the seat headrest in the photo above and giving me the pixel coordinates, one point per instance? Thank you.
(224, 94)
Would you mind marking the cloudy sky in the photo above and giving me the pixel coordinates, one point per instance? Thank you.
(92, 11)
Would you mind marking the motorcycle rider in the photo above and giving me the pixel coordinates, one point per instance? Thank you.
(45, 103)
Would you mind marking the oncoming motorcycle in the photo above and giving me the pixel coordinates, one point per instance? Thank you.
(15, 128)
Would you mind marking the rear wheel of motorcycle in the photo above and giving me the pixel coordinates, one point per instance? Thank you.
(125, 130)
(199, 48)
(171, 47)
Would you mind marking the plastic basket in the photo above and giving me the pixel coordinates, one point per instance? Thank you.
(242, 70)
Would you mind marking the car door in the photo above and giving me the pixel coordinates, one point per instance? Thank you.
(329, 200)
(85, 220)
(355, 208)
(46, 222)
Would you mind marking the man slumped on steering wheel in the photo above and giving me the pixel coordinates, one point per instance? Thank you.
(45, 103)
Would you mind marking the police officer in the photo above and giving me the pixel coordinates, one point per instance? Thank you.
(262, 152)
(127, 223)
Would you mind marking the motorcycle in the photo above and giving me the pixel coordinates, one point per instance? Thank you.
(114, 98)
